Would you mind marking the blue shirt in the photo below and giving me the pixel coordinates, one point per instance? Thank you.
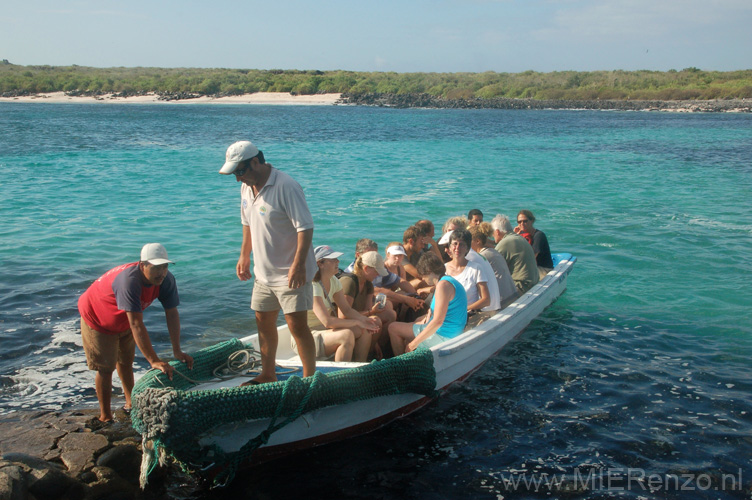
(456, 316)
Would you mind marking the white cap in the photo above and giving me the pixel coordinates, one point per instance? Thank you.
(445, 239)
(326, 252)
(155, 254)
(374, 260)
(237, 152)
(396, 250)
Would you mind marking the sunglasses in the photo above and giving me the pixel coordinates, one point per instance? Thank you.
(240, 172)
(523, 221)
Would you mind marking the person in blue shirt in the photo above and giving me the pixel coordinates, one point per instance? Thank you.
(446, 318)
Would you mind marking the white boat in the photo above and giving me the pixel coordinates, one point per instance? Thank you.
(214, 440)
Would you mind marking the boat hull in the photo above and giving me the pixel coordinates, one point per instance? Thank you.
(453, 361)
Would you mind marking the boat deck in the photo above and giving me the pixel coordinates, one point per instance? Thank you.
(289, 363)
(285, 369)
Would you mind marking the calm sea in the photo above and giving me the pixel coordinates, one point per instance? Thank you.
(637, 378)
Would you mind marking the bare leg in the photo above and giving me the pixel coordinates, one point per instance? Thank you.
(267, 329)
(298, 323)
(400, 334)
(125, 372)
(103, 385)
(362, 345)
(387, 316)
(376, 338)
(341, 343)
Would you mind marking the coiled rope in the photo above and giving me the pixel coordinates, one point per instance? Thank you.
(241, 363)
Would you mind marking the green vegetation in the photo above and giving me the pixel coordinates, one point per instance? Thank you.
(689, 83)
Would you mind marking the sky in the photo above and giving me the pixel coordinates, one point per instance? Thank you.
(384, 35)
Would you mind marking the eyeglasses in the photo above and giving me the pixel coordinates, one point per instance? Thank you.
(523, 221)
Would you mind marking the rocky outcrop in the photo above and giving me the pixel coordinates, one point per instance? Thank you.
(68, 455)
(429, 101)
(177, 96)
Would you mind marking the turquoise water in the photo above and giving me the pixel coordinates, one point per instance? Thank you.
(643, 362)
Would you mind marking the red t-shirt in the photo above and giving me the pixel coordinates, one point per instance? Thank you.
(528, 237)
(104, 305)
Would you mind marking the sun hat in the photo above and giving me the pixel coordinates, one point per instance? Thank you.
(155, 254)
(375, 260)
(237, 152)
(326, 252)
(396, 250)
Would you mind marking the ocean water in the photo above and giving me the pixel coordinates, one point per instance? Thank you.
(638, 377)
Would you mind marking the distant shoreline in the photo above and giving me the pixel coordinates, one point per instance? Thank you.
(273, 98)
(401, 101)
(429, 101)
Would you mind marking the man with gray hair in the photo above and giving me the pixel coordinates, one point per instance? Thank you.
(517, 252)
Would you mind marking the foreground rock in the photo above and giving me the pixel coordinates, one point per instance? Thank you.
(429, 101)
(67, 455)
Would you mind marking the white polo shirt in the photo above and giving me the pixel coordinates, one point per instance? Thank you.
(275, 217)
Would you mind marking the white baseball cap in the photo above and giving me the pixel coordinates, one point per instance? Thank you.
(236, 153)
(155, 254)
(396, 250)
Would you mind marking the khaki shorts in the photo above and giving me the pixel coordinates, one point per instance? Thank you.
(104, 352)
(273, 298)
(318, 341)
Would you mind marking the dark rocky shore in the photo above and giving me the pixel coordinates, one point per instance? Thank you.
(66, 455)
(429, 101)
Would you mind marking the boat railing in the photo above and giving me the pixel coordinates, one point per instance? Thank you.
(509, 313)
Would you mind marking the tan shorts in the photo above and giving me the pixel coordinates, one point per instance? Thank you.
(318, 341)
(273, 298)
(104, 352)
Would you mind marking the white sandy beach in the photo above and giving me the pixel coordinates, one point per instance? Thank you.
(278, 98)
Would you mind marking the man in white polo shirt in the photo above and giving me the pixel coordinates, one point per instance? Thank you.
(278, 228)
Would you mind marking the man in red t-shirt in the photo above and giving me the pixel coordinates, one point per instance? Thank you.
(112, 322)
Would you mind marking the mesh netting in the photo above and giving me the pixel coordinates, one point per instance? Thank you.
(173, 419)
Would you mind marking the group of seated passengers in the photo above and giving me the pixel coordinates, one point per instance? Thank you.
(476, 267)
(522, 260)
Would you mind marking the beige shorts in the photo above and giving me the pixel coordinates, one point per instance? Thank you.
(104, 352)
(273, 298)
(318, 341)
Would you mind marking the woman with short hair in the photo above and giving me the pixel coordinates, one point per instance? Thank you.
(466, 272)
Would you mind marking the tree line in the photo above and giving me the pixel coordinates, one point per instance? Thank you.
(686, 84)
